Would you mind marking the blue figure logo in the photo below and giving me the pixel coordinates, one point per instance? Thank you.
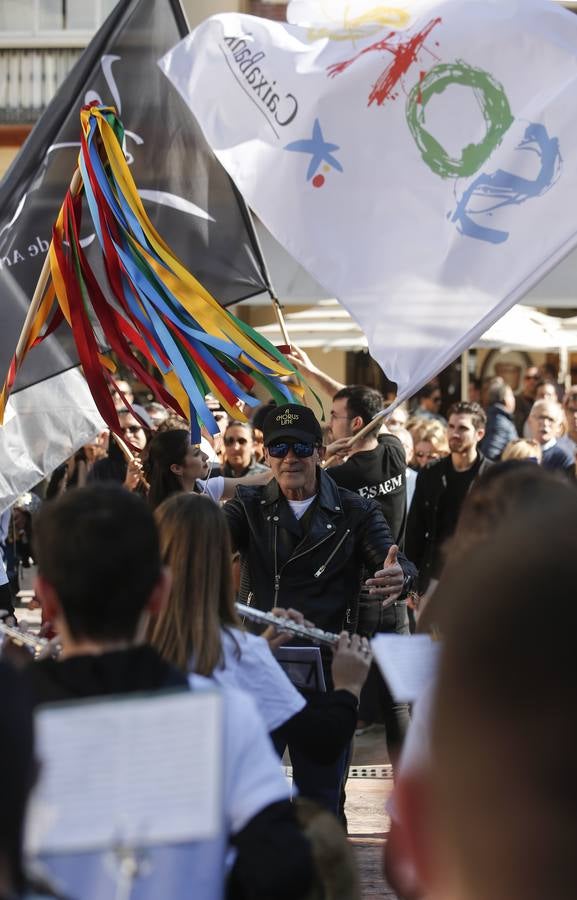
(502, 189)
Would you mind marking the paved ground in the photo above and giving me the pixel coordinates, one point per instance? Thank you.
(366, 815)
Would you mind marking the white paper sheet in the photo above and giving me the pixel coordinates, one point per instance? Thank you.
(408, 663)
(127, 771)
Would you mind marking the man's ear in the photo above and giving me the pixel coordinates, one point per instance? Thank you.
(356, 424)
(480, 433)
(158, 600)
(266, 456)
(48, 598)
(322, 452)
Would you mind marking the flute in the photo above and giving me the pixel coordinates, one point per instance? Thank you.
(317, 635)
(39, 647)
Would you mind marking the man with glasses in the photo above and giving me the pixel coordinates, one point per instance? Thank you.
(304, 542)
(545, 425)
(526, 398)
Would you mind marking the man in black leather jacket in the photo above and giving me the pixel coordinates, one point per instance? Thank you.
(303, 543)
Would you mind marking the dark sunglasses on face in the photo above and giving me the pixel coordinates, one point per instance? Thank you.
(231, 441)
(133, 429)
(301, 449)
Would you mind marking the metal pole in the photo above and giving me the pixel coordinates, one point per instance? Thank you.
(465, 375)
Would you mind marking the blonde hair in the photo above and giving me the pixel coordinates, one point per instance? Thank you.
(522, 448)
(436, 435)
(195, 545)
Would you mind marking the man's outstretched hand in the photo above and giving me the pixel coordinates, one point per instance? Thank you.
(388, 582)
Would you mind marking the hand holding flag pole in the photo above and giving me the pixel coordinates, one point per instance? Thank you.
(160, 311)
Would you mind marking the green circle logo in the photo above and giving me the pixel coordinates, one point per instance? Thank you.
(494, 106)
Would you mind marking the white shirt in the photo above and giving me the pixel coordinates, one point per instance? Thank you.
(252, 780)
(250, 665)
(299, 507)
(3, 575)
(212, 487)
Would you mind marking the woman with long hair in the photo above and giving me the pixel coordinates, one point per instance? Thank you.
(199, 631)
(173, 465)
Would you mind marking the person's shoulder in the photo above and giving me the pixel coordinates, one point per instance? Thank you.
(560, 455)
(257, 467)
(435, 469)
(235, 639)
(353, 504)
(236, 702)
(390, 441)
(246, 496)
(341, 472)
(200, 683)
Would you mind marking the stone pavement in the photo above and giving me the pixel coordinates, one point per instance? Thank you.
(368, 823)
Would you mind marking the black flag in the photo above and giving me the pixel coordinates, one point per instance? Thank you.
(188, 195)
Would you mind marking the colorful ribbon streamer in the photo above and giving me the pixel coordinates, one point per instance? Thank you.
(152, 307)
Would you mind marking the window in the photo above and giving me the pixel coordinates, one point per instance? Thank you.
(52, 21)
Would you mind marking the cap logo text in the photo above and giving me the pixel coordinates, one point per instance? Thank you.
(287, 418)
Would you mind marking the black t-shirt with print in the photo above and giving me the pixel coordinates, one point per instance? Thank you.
(379, 475)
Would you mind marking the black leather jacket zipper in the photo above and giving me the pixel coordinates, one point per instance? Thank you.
(278, 574)
(320, 570)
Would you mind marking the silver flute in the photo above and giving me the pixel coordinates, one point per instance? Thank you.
(317, 635)
(39, 647)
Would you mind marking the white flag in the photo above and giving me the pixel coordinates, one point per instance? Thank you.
(43, 426)
(423, 171)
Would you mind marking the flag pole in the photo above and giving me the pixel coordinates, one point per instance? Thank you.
(129, 456)
(43, 279)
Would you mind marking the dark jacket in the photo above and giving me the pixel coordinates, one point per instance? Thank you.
(228, 472)
(316, 568)
(423, 541)
(499, 431)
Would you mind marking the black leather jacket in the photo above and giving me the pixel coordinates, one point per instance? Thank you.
(318, 573)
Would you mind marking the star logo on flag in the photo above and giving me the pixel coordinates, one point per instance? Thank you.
(321, 154)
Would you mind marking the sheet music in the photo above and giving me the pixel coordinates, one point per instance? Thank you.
(408, 663)
(304, 667)
(127, 771)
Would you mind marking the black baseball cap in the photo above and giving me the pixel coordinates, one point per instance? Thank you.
(291, 422)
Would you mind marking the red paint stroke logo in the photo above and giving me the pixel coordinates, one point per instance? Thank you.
(404, 54)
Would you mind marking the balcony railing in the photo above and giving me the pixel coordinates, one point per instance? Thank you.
(29, 79)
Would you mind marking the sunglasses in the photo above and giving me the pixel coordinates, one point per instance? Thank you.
(299, 448)
(133, 429)
(231, 441)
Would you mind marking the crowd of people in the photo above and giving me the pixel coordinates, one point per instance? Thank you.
(451, 519)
